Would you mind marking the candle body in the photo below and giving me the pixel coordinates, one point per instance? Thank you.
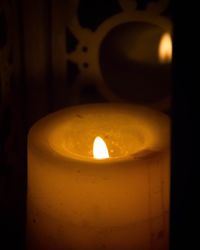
(77, 204)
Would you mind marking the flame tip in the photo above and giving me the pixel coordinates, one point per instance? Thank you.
(100, 150)
(165, 48)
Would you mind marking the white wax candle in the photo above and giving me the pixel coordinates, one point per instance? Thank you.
(76, 201)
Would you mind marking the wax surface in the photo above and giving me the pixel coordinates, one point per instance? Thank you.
(77, 202)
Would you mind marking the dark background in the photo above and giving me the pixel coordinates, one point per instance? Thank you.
(29, 90)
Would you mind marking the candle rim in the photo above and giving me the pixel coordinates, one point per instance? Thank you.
(72, 157)
(90, 163)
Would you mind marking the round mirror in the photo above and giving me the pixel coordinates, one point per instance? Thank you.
(135, 59)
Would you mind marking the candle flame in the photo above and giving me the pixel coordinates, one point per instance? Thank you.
(165, 48)
(100, 150)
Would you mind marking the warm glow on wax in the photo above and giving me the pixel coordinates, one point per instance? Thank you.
(100, 150)
(165, 48)
(113, 196)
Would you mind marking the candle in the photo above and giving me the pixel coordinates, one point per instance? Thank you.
(98, 178)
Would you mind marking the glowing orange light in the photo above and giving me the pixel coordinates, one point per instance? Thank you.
(100, 150)
(165, 48)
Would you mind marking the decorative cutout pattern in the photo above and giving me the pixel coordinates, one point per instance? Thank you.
(72, 41)
(92, 13)
(91, 22)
